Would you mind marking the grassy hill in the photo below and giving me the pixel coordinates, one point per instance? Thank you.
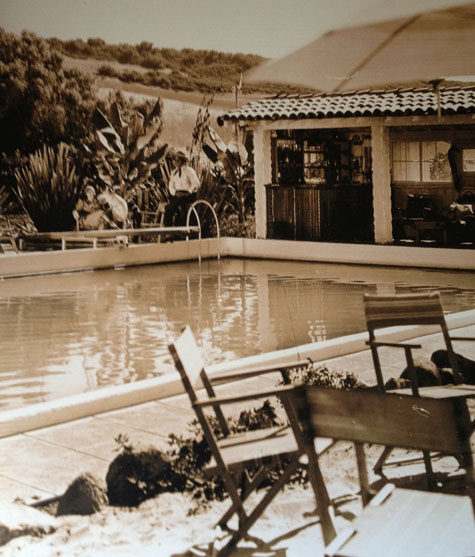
(180, 77)
(180, 107)
(189, 70)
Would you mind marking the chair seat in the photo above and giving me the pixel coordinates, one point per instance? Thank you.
(410, 522)
(260, 447)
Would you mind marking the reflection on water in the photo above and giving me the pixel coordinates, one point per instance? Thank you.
(68, 334)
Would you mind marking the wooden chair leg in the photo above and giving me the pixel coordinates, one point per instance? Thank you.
(250, 487)
(429, 470)
(324, 503)
(362, 473)
(248, 521)
(378, 467)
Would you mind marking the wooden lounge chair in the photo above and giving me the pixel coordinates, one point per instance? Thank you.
(383, 312)
(242, 460)
(396, 521)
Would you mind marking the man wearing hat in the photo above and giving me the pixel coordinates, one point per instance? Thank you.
(182, 186)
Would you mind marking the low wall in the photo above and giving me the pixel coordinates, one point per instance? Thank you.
(359, 254)
(49, 262)
(83, 405)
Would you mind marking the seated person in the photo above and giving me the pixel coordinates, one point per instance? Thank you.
(182, 186)
(114, 206)
(87, 213)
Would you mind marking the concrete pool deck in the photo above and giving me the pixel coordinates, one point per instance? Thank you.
(40, 463)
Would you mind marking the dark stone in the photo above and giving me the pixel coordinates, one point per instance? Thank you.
(465, 366)
(427, 373)
(135, 475)
(393, 384)
(86, 495)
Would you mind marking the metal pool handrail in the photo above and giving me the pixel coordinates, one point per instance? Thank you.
(192, 209)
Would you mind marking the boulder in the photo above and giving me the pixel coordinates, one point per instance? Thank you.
(465, 366)
(135, 475)
(86, 495)
(427, 373)
(22, 520)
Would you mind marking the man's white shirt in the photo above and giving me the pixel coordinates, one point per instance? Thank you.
(183, 179)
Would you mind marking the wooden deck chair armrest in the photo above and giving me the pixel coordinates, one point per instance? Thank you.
(339, 541)
(285, 391)
(377, 344)
(462, 338)
(259, 370)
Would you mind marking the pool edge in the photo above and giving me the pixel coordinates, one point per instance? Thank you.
(84, 405)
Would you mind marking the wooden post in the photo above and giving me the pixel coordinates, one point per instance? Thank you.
(381, 184)
(262, 176)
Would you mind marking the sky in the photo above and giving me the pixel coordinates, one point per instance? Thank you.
(270, 28)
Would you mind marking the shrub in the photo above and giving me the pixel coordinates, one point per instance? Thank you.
(319, 375)
(157, 80)
(229, 225)
(188, 455)
(152, 61)
(107, 71)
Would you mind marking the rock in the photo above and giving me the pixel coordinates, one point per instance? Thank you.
(464, 366)
(21, 520)
(86, 495)
(426, 372)
(134, 475)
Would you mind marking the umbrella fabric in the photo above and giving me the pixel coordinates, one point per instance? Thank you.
(424, 47)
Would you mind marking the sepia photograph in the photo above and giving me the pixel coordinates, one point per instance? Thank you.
(237, 278)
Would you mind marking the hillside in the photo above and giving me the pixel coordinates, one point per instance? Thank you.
(203, 71)
(180, 107)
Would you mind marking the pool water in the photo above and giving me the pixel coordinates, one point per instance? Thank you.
(67, 334)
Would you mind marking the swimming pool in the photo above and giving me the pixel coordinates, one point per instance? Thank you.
(66, 334)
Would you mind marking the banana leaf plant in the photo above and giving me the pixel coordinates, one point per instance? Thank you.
(233, 168)
(48, 187)
(128, 151)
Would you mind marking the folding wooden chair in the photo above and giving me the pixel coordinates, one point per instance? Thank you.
(383, 312)
(243, 460)
(396, 521)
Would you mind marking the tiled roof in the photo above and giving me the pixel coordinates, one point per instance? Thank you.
(397, 102)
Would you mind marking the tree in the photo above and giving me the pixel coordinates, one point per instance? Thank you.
(40, 102)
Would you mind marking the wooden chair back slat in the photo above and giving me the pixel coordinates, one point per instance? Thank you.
(386, 419)
(409, 309)
(187, 358)
(189, 363)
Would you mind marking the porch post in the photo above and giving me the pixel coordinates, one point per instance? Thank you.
(381, 184)
(262, 176)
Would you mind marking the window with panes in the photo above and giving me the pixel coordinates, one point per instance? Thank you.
(420, 161)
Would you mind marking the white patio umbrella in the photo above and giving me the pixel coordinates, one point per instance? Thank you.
(426, 47)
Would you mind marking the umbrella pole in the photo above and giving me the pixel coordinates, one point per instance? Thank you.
(436, 87)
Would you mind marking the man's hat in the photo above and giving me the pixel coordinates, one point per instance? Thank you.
(182, 155)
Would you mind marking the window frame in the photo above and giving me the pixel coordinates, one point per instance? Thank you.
(419, 140)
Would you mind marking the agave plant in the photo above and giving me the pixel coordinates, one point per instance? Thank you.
(128, 151)
(48, 188)
(4, 199)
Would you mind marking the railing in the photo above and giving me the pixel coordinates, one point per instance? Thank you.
(193, 210)
(94, 237)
